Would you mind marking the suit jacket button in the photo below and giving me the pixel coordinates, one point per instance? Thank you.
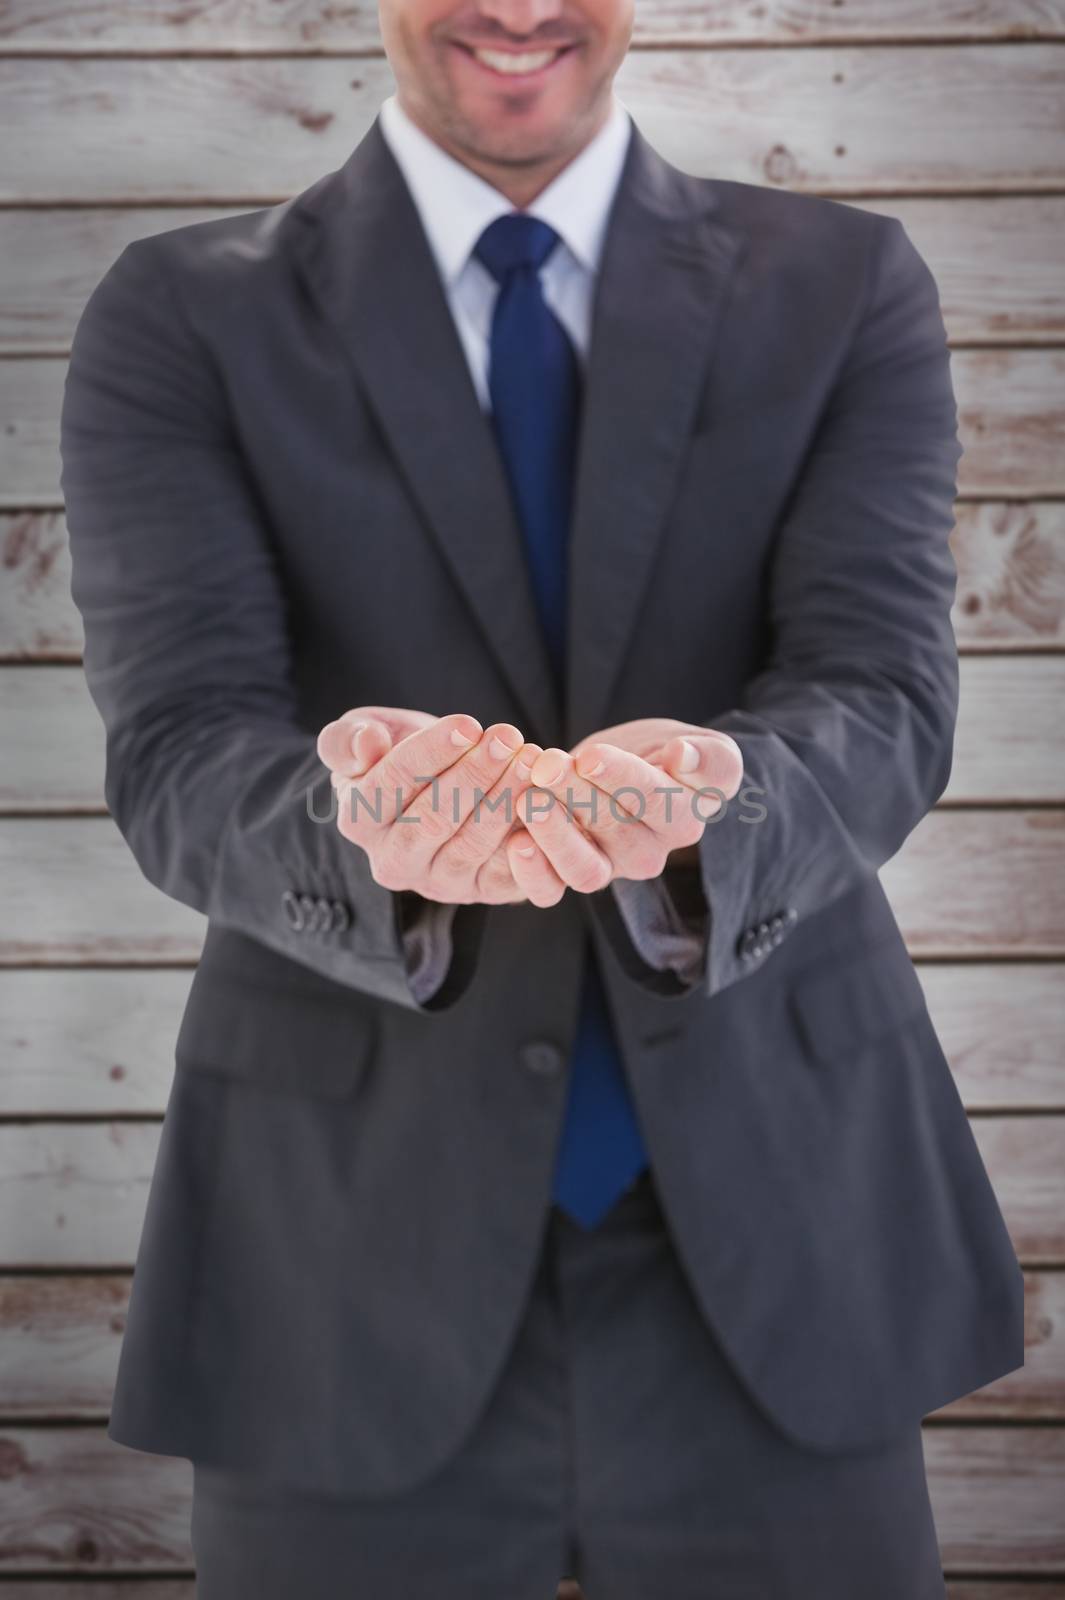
(542, 1057)
(341, 916)
(293, 913)
(307, 906)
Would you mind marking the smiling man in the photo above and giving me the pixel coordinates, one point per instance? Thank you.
(516, 589)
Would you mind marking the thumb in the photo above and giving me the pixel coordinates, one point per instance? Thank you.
(353, 743)
(705, 761)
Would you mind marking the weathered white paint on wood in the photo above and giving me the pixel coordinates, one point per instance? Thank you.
(1036, 1390)
(996, 260)
(86, 1041)
(1011, 406)
(1025, 1160)
(74, 893)
(74, 1193)
(976, 883)
(53, 741)
(1010, 557)
(997, 1495)
(38, 618)
(60, 1335)
(1002, 1029)
(74, 1497)
(875, 119)
(304, 26)
(1011, 422)
(99, 1041)
(50, 262)
(966, 883)
(1007, 747)
(1008, 744)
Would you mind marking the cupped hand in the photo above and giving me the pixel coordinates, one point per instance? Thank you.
(631, 797)
(427, 799)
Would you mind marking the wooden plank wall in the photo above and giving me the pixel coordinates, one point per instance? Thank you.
(120, 120)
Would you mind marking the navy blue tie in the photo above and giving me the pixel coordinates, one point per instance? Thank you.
(534, 384)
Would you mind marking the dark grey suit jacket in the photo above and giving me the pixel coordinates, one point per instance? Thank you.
(284, 500)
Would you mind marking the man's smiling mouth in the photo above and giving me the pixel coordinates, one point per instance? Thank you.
(515, 63)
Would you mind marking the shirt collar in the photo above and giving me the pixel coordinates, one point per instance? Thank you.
(456, 205)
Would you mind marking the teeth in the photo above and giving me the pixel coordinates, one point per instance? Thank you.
(504, 61)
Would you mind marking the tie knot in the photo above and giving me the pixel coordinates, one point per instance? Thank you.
(514, 240)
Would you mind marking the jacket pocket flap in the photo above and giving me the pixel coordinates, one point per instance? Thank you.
(275, 1036)
(857, 998)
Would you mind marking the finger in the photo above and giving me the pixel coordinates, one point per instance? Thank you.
(488, 819)
(349, 747)
(371, 803)
(336, 742)
(532, 871)
(644, 813)
(707, 761)
(550, 816)
(470, 792)
(627, 812)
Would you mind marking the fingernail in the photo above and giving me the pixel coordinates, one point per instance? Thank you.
(525, 849)
(357, 728)
(458, 737)
(689, 756)
(549, 769)
(589, 771)
(499, 750)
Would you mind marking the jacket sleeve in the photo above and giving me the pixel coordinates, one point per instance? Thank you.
(211, 775)
(847, 730)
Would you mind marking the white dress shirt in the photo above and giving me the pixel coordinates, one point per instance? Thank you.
(455, 206)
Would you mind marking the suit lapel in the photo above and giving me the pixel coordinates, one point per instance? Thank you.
(365, 259)
(665, 268)
(370, 267)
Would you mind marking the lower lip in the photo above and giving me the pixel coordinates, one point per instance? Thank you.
(517, 80)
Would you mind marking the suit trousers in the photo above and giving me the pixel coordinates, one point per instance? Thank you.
(617, 1447)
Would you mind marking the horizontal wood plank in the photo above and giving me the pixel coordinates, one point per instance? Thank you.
(184, 1588)
(74, 893)
(1036, 1391)
(86, 1041)
(1010, 557)
(967, 883)
(61, 1335)
(1002, 1028)
(974, 883)
(99, 1041)
(1011, 417)
(988, 1589)
(76, 1499)
(875, 119)
(1025, 1161)
(997, 1495)
(75, 1192)
(1011, 406)
(1008, 744)
(1007, 747)
(996, 260)
(306, 27)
